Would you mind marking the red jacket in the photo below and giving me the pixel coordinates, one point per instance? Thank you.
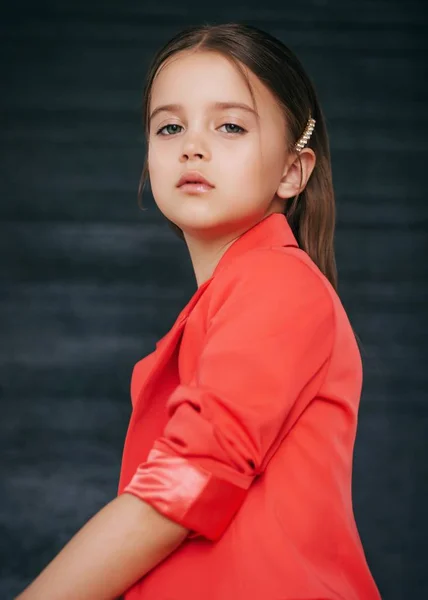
(243, 429)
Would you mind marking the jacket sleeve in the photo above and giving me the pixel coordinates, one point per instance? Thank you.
(268, 342)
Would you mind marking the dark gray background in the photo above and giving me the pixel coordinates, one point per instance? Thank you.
(89, 282)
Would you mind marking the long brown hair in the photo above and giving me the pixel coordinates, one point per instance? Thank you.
(311, 214)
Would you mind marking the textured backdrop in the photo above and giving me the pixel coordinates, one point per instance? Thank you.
(89, 282)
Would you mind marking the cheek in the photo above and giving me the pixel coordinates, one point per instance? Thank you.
(158, 166)
(154, 157)
(242, 164)
(157, 182)
(252, 176)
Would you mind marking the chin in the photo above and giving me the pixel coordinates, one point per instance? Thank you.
(195, 213)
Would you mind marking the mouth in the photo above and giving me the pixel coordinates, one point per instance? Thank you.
(194, 181)
(195, 187)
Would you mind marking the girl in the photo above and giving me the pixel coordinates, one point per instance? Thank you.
(237, 465)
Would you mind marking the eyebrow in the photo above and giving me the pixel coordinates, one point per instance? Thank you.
(215, 105)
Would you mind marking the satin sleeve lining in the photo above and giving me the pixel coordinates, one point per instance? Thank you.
(187, 494)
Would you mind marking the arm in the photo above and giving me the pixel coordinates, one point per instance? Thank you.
(116, 547)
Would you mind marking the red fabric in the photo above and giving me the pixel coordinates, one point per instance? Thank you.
(243, 428)
(173, 483)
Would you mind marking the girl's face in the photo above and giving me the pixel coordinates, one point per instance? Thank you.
(241, 153)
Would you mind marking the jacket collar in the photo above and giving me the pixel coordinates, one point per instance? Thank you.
(273, 230)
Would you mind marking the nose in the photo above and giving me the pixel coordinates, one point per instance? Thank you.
(194, 146)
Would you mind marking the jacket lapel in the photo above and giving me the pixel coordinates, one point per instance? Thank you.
(165, 359)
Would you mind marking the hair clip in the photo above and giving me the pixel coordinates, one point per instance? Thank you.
(301, 143)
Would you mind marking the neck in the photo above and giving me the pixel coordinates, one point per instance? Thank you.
(206, 254)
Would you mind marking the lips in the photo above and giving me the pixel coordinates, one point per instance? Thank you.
(193, 177)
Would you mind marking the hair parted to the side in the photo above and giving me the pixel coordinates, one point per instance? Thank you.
(311, 214)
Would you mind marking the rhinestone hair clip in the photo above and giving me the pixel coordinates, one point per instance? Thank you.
(306, 135)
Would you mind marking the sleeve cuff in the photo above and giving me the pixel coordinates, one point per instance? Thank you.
(187, 494)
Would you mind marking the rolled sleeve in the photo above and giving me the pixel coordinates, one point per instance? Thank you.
(267, 347)
(187, 493)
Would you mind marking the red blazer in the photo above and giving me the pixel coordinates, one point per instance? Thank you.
(243, 428)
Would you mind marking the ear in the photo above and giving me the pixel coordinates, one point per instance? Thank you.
(296, 173)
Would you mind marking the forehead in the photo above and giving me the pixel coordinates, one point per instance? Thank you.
(196, 79)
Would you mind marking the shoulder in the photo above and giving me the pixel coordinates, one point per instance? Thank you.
(274, 287)
(273, 274)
